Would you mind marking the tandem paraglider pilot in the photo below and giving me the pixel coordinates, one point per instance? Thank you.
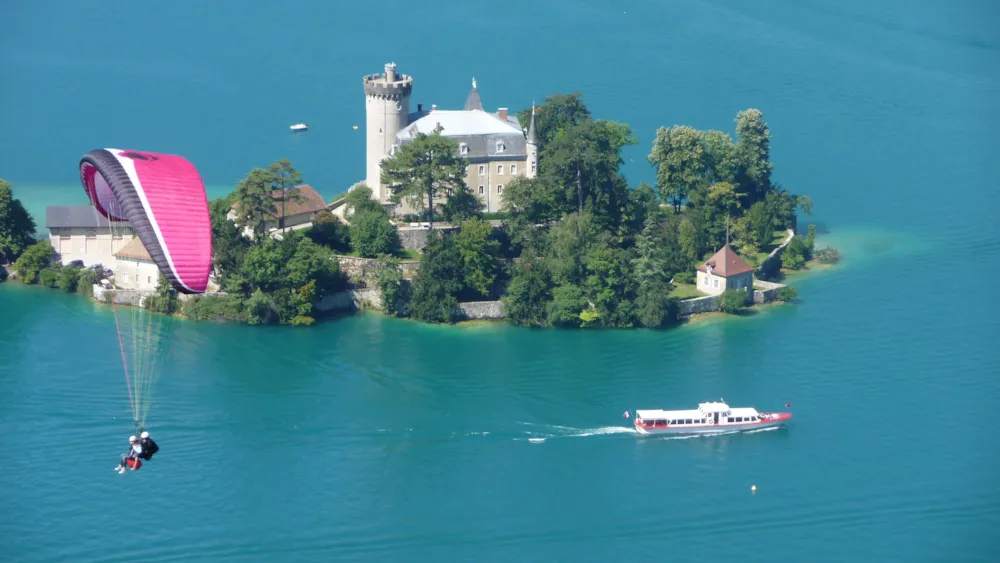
(148, 446)
(131, 459)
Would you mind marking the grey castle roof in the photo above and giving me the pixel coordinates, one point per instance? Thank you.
(473, 101)
(478, 130)
(532, 132)
(74, 216)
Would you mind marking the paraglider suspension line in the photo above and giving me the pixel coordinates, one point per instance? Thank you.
(128, 380)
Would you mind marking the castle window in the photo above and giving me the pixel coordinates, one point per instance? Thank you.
(532, 167)
(513, 169)
(500, 189)
(501, 146)
(463, 148)
(499, 168)
(482, 190)
(482, 170)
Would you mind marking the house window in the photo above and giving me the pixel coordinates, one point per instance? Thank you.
(149, 279)
(706, 280)
(716, 283)
(499, 168)
(532, 167)
(501, 146)
(513, 169)
(482, 190)
(482, 170)
(137, 277)
(463, 148)
(500, 189)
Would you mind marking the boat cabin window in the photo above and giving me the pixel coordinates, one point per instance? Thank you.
(729, 419)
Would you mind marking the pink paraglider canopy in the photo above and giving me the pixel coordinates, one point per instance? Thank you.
(163, 198)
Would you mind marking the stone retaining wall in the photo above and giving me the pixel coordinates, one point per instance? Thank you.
(361, 271)
(415, 238)
(481, 310)
(765, 291)
(350, 300)
(698, 305)
(131, 297)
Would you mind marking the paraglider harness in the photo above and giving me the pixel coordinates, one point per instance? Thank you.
(149, 447)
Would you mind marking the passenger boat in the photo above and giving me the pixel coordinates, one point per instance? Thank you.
(299, 127)
(708, 418)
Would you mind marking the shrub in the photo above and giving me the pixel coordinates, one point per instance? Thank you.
(828, 255)
(215, 308)
(85, 281)
(372, 234)
(733, 301)
(794, 257)
(389, 280)
(48, 277)
(33, 260)
(68, 278)
(787, 293)
(687, 277)
(3, 274)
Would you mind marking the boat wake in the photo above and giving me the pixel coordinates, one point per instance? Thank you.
(551, 431)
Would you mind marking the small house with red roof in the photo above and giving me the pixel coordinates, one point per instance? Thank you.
(294, 208)
(724, 270)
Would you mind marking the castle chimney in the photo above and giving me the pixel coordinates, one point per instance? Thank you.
(390, 72)
(420, 108)
(434, 107)
(502, 114)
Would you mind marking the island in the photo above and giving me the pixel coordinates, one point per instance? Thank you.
(469, 214)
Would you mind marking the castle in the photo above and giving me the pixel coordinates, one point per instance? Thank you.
(494, 144)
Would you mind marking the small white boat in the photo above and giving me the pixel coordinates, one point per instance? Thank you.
(299, 127)
(708, 418)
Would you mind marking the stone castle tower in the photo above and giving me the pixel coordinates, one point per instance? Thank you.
(531, 144)
(387, 110)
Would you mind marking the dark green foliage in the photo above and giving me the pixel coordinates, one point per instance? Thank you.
(68, 278)
(86, 278)
(478, 251)
(566, 305)
(810, 242)
(461, 205)
(17, 226)
(328, 230)
(389, 280)
(215, 308)
(787, 293)
(528, 293)
(438, 281)
(794, 256)
(424, 168)
(359, 200)
(165, 299)
(733, 301)
(48, 277)
(33, 260)
(3, 274)
(372, 234)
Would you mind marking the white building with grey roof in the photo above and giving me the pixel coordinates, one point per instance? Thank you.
(79, 232)
(494, 144)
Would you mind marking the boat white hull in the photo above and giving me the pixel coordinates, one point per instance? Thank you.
(713, 428)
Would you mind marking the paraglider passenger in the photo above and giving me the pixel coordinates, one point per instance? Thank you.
(134, 451)
(148, 446)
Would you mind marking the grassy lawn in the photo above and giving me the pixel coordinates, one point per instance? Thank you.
(779, 237)
(686, 291)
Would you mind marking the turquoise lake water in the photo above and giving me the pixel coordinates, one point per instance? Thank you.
(376, 439)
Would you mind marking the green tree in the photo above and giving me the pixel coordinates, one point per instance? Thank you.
(753, 149)
(423, 168)
(570, 241)
(33, 260)
(438, 281)
(461, 205)
(678, 155)
(389, 279)
(360, 200)
(255, 202)
(68, 277)
(328, 230)
(17, 227)
(733, 301)
(478, 251)
(610, 284)
(557, 113)
(372, 234)
(528, 292)
(810, 242)
(284, 177)
(567, 303)
(794, 256)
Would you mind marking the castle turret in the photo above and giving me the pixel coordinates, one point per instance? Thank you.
(531, 144)
(387, 109)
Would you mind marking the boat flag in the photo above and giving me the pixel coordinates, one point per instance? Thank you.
(788, 405)
(626, 415)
